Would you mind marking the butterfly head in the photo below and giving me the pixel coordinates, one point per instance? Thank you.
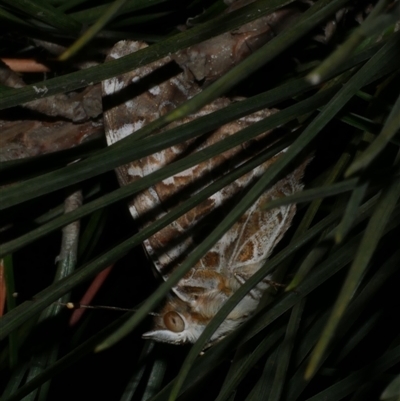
(181, 323)
(176, 324)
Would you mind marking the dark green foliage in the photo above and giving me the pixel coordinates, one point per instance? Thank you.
(336, 322)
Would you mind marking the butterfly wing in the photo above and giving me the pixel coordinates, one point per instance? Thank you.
(244, 248)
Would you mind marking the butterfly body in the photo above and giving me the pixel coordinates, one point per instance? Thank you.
(200, 294)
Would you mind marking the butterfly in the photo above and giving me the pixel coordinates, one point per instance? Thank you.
(243, 249)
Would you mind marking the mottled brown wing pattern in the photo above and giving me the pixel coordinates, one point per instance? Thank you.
(134, 99)
(167, 247)
(242, 250)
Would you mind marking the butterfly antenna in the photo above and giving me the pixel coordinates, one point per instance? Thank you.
(77, 305)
